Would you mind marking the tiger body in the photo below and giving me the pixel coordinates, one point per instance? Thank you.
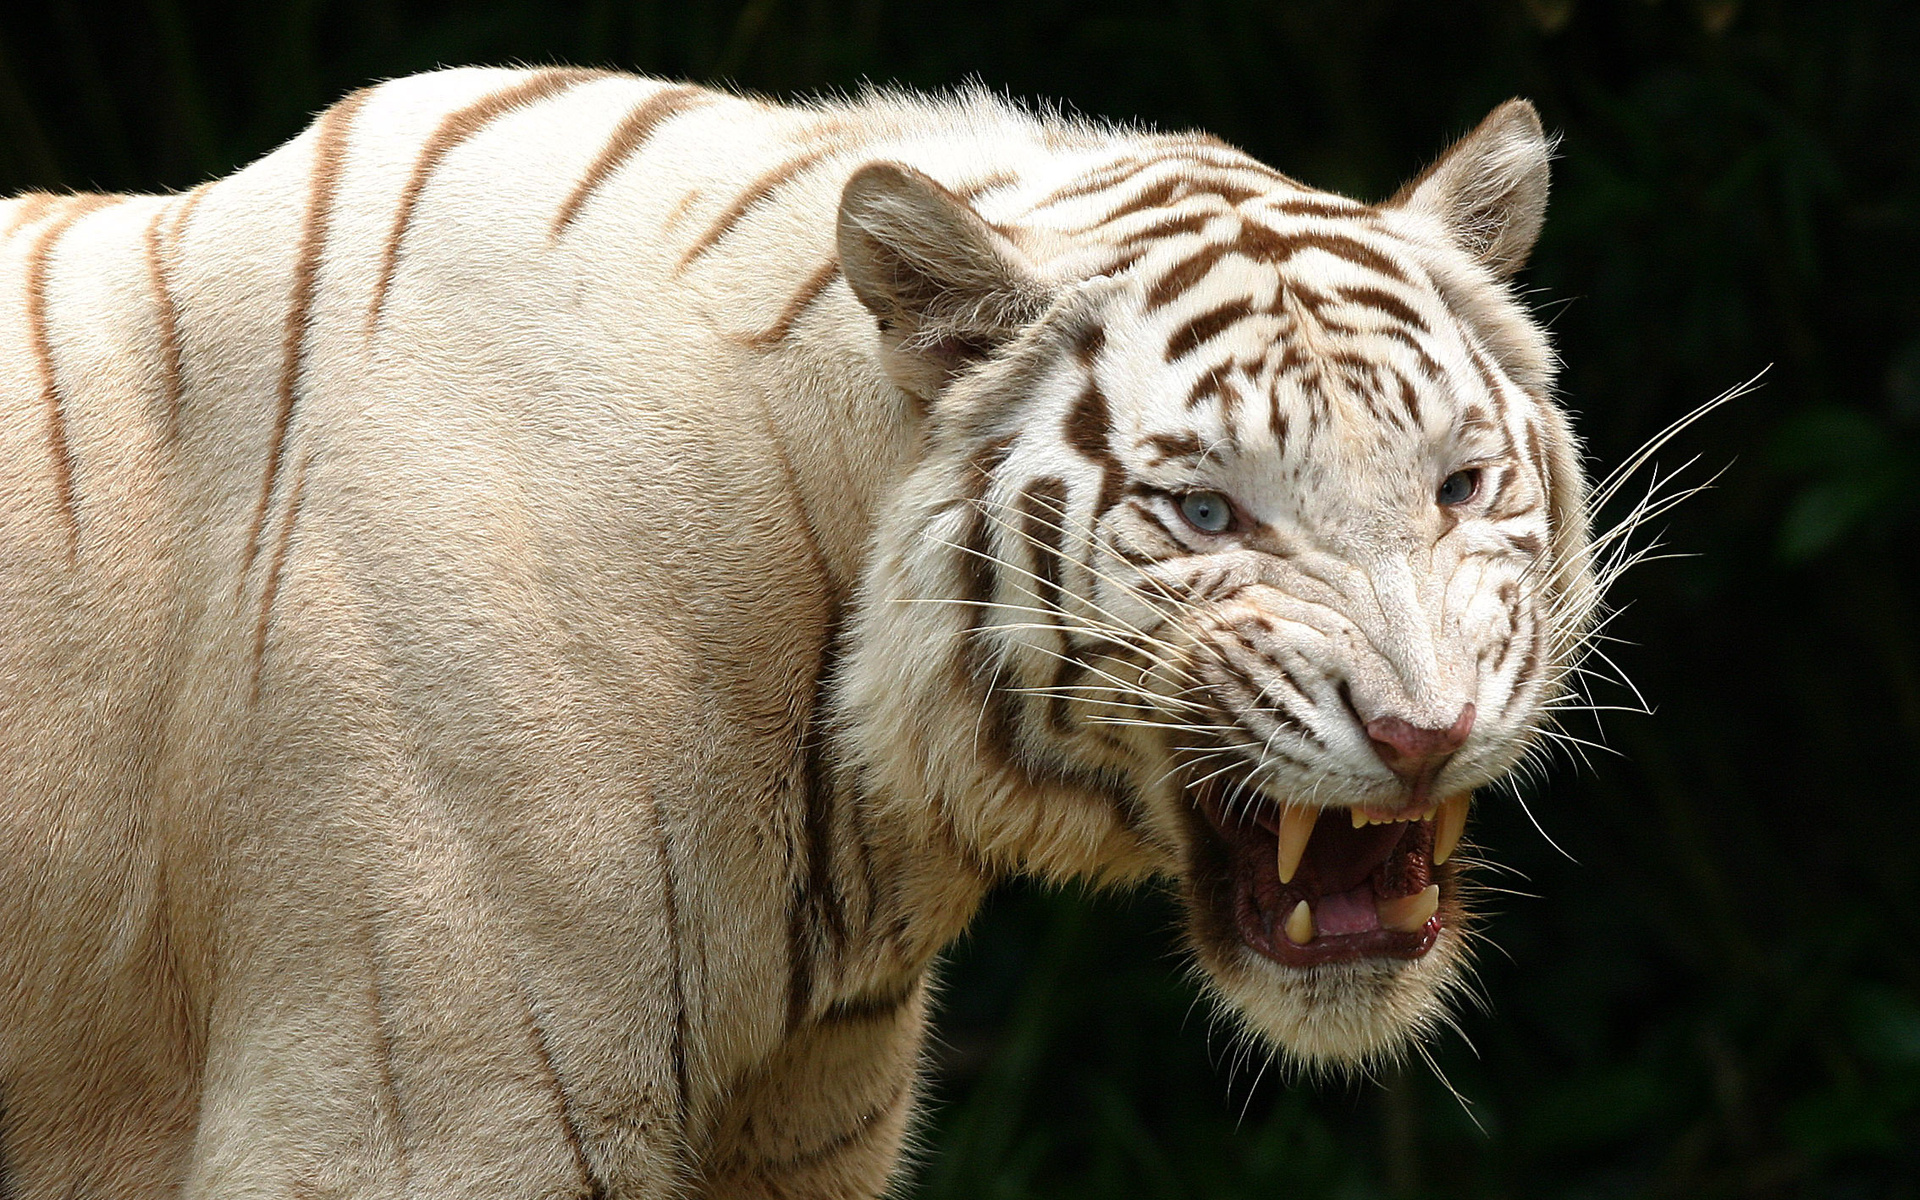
(457, 735)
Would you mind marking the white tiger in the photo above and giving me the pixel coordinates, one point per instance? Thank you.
(530, 615)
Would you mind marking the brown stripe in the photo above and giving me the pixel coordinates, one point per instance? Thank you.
(872, 1006)
(1277, 248)
(757, 193)
(271, 589)
(816, 284)
(1428, 364)
(161, 247)
(980, 187)
(670, 897)
(1213, 383)
(592, 1188)
(1205, 327)
(628, 137)
(1150, 517)
(1186, 274)
(1277, 420)
(455, 128)
(329, 151)
(388, 1097)
(1384, 301)
(1089, 339)
(41, 341)
(1332, 207)
(1410, 399)
(1043, 508)
(816, 911)
(33, 205)
(1088, 430)
(1172, 227)
(1172, 445)
(1099, 179)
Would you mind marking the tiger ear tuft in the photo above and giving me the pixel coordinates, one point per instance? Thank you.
(1489, 190)
(945, 287)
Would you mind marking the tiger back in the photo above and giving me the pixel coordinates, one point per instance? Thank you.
(531, 614)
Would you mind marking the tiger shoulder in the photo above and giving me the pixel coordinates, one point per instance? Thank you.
(530, 615)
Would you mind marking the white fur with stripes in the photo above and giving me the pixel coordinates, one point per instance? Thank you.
(509, 679)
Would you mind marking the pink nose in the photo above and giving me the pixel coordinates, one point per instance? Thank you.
(1415, 754)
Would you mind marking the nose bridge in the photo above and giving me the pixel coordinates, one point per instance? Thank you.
(1407, 634)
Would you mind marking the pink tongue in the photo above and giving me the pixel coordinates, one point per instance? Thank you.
(1347, 912)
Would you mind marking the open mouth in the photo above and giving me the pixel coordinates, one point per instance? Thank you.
(1323, 885)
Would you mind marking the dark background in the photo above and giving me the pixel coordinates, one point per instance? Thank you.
(1718, 998)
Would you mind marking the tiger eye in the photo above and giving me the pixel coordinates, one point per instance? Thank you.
(1209, 512)
(1458, 488)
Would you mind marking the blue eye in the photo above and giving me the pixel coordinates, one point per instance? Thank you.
(1458, 488)
(1209, 512)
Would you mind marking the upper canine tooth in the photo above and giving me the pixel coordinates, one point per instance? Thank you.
(1408, 914)
(1296, 826)
(1359, 817)
(1452, 822)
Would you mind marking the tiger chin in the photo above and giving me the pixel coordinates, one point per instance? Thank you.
(531, 616)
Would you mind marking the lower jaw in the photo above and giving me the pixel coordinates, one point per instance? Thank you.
(1269, 940)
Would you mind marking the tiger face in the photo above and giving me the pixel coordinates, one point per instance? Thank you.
(1254, 546)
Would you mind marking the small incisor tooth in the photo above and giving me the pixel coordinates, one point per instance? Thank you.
(1299, 927)
(1449, 825)
(1296, 826)
(1404, 914)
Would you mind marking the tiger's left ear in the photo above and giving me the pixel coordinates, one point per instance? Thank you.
(1489, 190)
(945, 287)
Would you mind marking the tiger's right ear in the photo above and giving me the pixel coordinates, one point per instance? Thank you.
(945, 287)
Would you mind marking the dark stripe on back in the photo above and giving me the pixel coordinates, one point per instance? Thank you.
(757, 193)
(39, 338)
(816, 284)
(628, 137)
(271, 589)
(329, 151)
(161, 245)
(455, 128)
(33, 205)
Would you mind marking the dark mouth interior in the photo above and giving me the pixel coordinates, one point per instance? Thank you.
(1348, 877)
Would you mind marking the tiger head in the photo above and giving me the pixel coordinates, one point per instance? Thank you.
(1246, 545)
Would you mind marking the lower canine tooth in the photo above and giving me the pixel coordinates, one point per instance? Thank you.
(1403, 914)
(1451, 822)
(1299, 925)
(1296, 826)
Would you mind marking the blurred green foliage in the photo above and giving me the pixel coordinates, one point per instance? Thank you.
(1718, 998)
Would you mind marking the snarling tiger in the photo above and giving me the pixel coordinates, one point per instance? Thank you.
(531, 615)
